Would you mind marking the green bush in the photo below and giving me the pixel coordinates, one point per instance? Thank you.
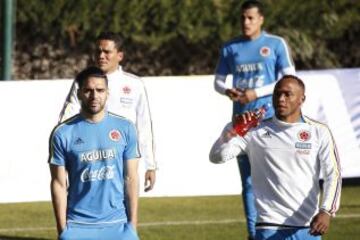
(183, 37)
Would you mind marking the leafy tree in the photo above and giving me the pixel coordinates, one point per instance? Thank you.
(179, 37)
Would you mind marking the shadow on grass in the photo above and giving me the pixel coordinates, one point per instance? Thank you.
(2, 237)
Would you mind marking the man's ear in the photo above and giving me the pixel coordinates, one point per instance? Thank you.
(303, 99)
(120, 56)
(262, 20)
(78, 93)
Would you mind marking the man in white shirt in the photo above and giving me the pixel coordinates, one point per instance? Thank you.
(127, 98)
(287, 154)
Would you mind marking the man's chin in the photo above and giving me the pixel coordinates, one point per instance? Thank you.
(247, 33)
(93, 111)
(280, 114)
(102, 66)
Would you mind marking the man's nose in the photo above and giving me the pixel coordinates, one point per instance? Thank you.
(93, 94)
(101, 54)
(282, 97)
(245, 21)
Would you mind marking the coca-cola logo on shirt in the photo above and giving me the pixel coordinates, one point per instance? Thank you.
(103, 173)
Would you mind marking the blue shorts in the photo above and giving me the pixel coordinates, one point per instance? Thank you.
(118, 231)
(285, 234)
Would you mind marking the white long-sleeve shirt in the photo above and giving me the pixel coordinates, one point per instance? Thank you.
(286, 160)
(127, 98)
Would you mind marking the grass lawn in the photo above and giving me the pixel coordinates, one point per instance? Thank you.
(207, 218)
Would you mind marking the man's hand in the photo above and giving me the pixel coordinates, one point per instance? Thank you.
(243, 118)
(134, 224)
(150, 177)
(320, 223)
(240, 122)
(234, 94)
(247, 95)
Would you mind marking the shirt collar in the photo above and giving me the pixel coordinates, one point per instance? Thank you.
(117, 71)
(286, 124)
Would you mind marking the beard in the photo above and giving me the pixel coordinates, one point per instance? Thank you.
(87, 108)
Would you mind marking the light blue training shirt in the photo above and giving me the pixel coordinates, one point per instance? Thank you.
(95, 156)
(254, 64)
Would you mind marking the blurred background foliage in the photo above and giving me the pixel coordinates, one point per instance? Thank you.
(176, 37)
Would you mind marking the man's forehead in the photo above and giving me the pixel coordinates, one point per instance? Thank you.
(105, 44)
(250, 11)
(287, 85)
(94, 81)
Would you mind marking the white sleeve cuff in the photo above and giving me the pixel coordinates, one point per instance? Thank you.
(265, 90)
(220, 84)
(288, 71)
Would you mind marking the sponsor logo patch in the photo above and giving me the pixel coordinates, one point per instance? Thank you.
(126, 101)
(302, 145)
(249, 67)
(103, 173)
(97, 155)
(114, 135)
(303, 151)
(265, 51)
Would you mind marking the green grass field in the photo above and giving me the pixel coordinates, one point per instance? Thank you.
(184, 218)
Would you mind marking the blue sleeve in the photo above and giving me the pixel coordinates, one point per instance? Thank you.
(283, 56)
(56, 150)
(223, 65)
(131, 149)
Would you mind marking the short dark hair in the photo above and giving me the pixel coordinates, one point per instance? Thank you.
(293, 77)
(251, 4)
(90, 72)
(116, 38)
